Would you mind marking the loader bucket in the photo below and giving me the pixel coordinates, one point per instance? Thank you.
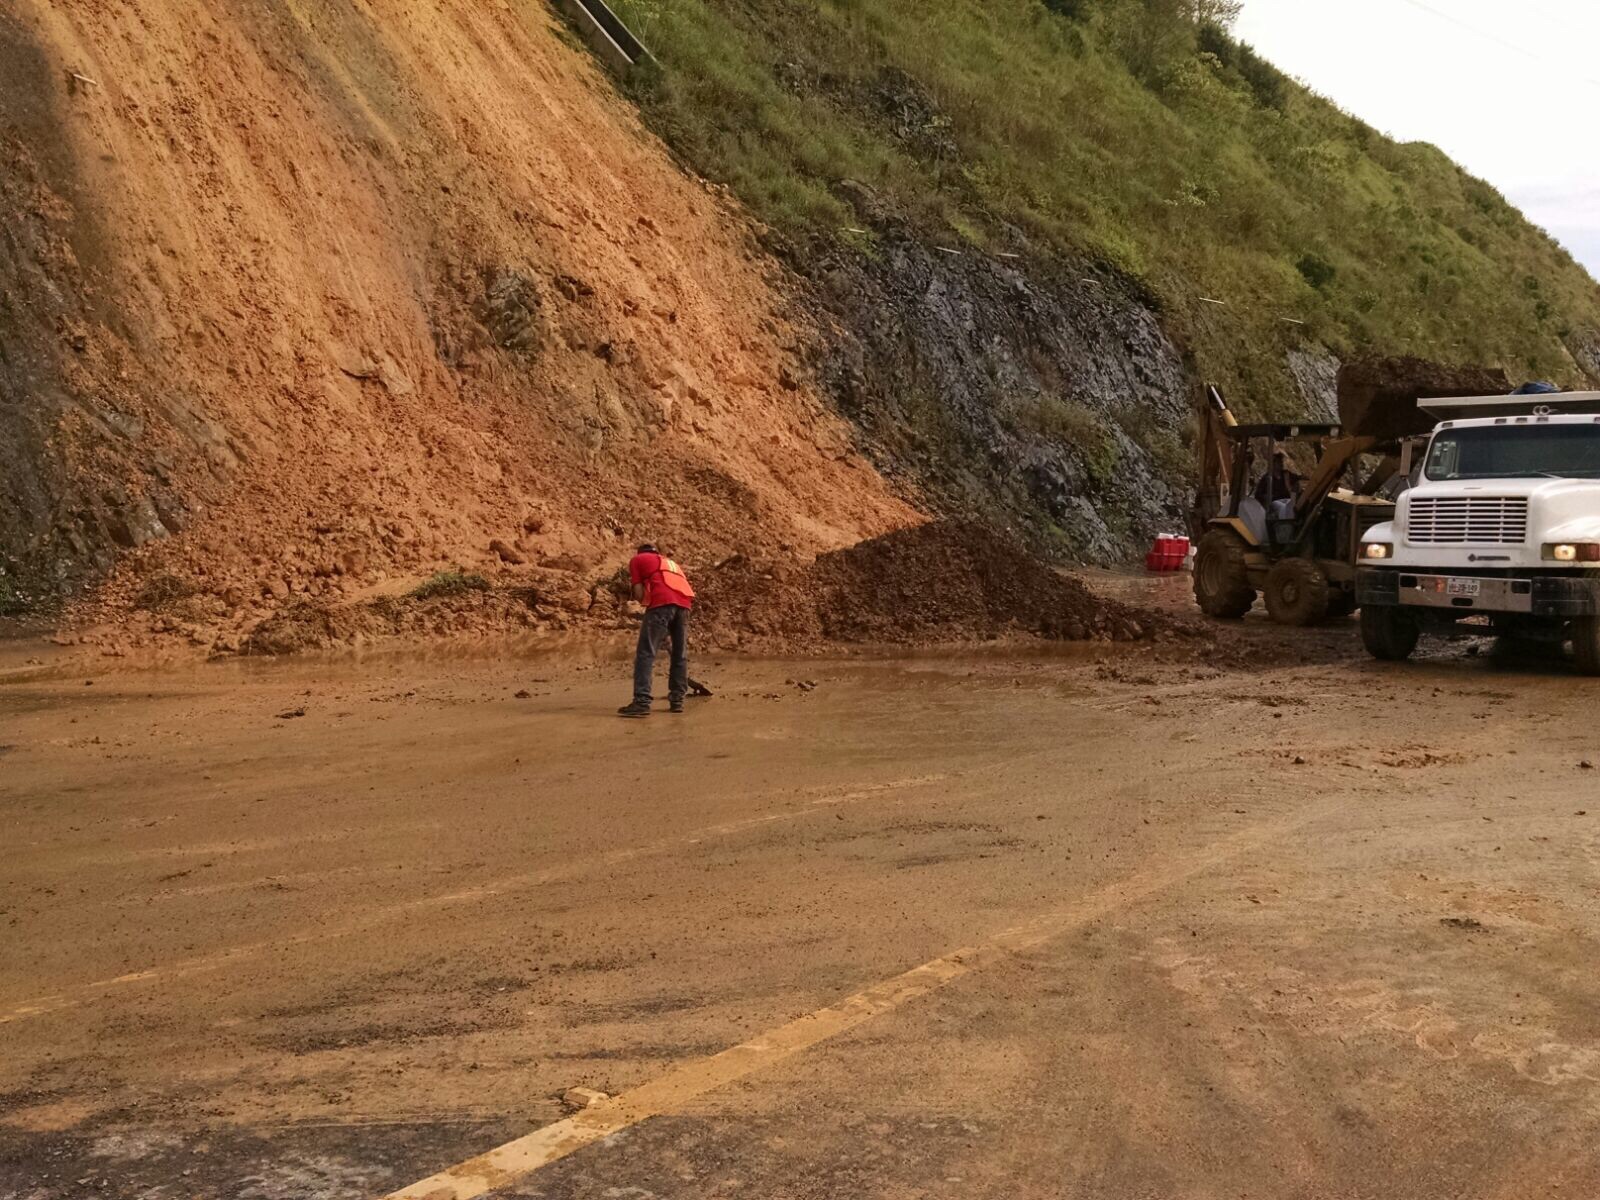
(1378, 396)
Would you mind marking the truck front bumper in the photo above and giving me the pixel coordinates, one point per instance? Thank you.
(1536, 595)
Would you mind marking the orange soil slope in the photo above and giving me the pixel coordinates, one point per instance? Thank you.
(397, 278)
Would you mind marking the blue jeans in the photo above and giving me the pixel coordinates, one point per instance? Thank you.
(660, 623)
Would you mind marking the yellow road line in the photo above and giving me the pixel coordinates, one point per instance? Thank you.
(506, 1164)
(327, 928)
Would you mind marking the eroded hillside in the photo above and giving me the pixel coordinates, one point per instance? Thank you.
(302, 295)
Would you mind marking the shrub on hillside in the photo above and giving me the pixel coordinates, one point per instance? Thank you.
(1068, 422)
(1268, 85)
(1072, 10)
(1316, 271)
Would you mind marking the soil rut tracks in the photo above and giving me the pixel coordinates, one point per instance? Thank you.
(819, 799)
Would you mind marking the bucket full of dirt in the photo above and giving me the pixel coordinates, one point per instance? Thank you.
(1378, 396)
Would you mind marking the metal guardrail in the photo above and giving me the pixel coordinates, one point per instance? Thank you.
(606, 34)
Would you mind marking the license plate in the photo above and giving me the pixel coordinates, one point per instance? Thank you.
(1463, 587)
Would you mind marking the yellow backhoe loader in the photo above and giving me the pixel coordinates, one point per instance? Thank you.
(1300, 553)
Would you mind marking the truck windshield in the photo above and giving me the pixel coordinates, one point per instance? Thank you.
(1516, 452)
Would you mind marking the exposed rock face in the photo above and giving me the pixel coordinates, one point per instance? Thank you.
(1046, 398)
(1316, 374)
(1585, 347)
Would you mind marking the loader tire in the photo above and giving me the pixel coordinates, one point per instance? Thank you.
(1586, 644)
(1297, 593)
(1222, 576)
(1389, 632)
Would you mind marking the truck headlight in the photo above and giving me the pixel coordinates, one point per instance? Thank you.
(1573, 551)
(1377, 550)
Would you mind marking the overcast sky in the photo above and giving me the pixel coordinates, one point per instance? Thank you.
(1508, 88)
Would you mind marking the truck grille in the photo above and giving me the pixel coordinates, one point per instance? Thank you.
(1468, 520)
(1371, 514)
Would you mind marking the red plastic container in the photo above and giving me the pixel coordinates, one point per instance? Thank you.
(1168, 553)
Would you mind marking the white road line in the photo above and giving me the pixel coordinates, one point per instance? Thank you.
(517, 1159)
(326, 930)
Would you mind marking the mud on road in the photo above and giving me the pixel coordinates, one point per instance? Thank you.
(322, 929)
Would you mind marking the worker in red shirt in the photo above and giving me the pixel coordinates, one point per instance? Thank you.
(662, 587)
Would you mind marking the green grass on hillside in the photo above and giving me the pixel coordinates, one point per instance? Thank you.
(1178, 156)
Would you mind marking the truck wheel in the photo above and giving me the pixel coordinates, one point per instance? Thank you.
(1221, 575)
(1388, 632)
(1586, 644)
(1297, 592)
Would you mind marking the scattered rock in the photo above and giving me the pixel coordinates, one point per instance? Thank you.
(353, 364)
(507, 552)
(510, 310)
(291, 714)
(524, 694)
(572, 288)
(564, 562)
(582, 1097)
(394, 380)
(573, 600)
(1461, 922)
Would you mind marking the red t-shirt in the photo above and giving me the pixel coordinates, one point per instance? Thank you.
(661, 586)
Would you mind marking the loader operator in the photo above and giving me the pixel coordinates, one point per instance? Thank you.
(662, 587)
(1279, 483)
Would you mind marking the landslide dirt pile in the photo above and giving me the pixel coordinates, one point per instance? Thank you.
(946, 581)
(299, 301)
(453, 605)
(942, 582)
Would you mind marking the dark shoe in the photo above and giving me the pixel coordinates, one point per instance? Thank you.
(636, 709)
(677, 706)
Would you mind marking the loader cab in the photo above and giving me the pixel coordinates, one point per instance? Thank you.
(1250, 453)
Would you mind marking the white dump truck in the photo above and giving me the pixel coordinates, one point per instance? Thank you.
(1500, 527)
